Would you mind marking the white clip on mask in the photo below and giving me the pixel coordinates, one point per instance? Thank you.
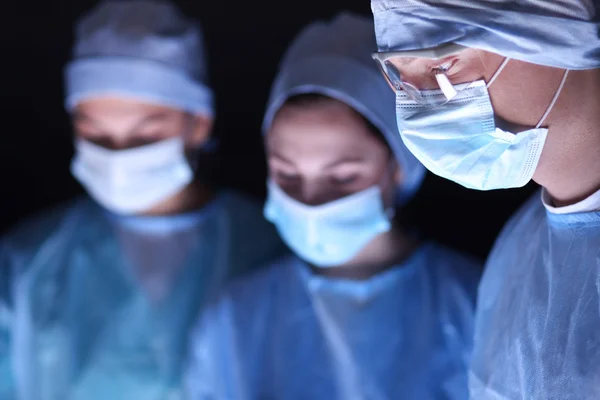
(133, 180)
(330, 234)
(456, 137)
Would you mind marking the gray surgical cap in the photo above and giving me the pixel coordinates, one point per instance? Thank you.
(555, 33)
(333, 59)
(142, 49)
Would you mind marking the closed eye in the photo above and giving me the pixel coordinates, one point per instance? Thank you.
(287, 177)
(344, 180)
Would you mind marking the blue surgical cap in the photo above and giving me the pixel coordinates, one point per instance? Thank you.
(142, 49)
(333, 59)
(555, 33)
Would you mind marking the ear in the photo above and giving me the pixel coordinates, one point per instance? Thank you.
(201, 128)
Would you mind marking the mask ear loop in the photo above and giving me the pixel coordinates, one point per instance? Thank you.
(497, 73)
(554, 99)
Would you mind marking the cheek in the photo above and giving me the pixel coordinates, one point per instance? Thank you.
(388, 185)
(84, 130)
(83, 134)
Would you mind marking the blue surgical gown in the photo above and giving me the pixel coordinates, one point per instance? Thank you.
(99, 306)
(286, 333)
(537, 333)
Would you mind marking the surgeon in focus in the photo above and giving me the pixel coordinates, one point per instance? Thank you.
(491, 95)
(98, 295)
(361, 308)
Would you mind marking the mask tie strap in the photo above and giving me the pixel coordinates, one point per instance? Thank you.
(554, 99)
(497, 73)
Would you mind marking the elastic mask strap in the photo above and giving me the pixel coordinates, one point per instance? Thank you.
(553, 102)
(497, 73)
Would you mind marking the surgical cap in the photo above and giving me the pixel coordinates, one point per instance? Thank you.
(333, 59)
(555, 33)
(142, 49)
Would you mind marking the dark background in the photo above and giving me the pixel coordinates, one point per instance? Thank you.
(245, 40)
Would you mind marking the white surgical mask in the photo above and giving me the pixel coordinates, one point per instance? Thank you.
(458, 139)
(330, 234)
(133, 180)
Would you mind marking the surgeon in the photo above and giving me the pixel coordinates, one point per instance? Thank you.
(361, 309)
(491, 96)
(98, 295)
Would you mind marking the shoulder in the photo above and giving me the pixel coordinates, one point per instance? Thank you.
(244, 213)
(252, 240)
(515, 239)
(30, 234)
(42, 231)
(227, 343)
(242, 308)
(529, 218)
(249, 299)
(238, 203)
(450, 265)
(255, 290)
(454, 279)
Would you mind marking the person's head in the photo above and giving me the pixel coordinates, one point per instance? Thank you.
(136, 90)
(336, 165)
(319, 149)
(542, 60)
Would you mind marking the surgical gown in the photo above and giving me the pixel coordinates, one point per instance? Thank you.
(537, 331)
(286, 333)
(99, 306)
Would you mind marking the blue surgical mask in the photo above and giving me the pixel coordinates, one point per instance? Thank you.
(458, 139)
(330, 234)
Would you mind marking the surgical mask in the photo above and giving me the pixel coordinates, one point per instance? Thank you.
(330, 234)
(458, 139)
(133, 180)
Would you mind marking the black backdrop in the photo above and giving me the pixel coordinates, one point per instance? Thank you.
(245, 40)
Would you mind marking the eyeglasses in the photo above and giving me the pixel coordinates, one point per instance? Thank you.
(414, 71)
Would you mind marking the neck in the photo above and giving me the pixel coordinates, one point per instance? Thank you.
(383, 252)
(193, 197)
(569, 168)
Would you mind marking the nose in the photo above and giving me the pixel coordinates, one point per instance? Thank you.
(111, 143)
(315, 194)
(118, 142)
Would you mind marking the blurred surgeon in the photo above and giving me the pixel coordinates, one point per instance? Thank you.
(98, 295)
(361, 309)
(492, 94)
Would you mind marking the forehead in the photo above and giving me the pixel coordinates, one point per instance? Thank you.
(326, 128)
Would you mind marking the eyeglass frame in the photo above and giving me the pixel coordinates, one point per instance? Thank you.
(431, 53)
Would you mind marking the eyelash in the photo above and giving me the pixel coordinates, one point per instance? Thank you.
(345, 181)
(287, 177)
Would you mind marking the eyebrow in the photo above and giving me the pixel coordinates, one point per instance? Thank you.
(155, 117)
(79, 116)
(346, 160)
(280, 157)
